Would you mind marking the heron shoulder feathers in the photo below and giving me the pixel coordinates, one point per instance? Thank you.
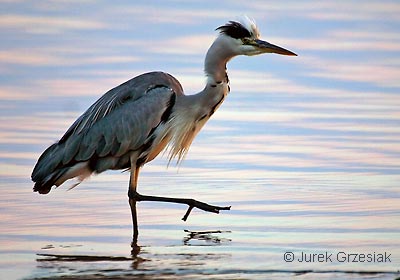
(129, 91)
(121, 121)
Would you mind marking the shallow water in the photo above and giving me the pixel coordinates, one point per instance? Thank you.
(86, 231)
(307, 155)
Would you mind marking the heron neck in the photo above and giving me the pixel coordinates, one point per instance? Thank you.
(215, 62)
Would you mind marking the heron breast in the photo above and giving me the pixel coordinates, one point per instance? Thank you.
(158, 147)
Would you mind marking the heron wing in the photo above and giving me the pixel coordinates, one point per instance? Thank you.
(127, 128)
(122, 120)
(116, 97)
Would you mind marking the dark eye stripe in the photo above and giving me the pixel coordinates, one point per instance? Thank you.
(235, 30)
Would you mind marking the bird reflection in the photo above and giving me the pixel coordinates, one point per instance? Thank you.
(208, 236)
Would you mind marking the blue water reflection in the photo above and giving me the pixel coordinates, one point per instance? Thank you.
(306, 150)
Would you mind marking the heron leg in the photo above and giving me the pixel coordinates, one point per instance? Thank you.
(132, 204)
(134, 197)
(192, 203)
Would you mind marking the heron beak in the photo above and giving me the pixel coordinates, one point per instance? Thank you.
(266, 47)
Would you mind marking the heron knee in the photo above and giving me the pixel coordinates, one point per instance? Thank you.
(133, 194)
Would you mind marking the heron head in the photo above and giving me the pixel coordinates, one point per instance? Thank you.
(244, 38)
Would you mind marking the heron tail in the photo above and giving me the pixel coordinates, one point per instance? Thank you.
(46, 172)
(57, 165)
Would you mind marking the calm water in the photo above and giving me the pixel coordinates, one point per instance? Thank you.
(306, 150)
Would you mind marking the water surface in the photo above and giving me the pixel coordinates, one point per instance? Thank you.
(306, 150)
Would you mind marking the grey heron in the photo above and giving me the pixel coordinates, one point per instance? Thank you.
(132, 123)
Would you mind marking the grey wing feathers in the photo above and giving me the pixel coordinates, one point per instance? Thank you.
(119, 122)
(130, 90)
(123, 129)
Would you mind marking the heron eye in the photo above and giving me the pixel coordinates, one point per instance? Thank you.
(246, 41)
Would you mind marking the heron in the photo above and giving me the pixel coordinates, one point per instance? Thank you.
(134, 122)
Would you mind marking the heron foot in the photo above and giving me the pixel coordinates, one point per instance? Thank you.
(135, 248)
(192, 203)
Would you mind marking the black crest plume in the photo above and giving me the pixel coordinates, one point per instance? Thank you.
(235, 30)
